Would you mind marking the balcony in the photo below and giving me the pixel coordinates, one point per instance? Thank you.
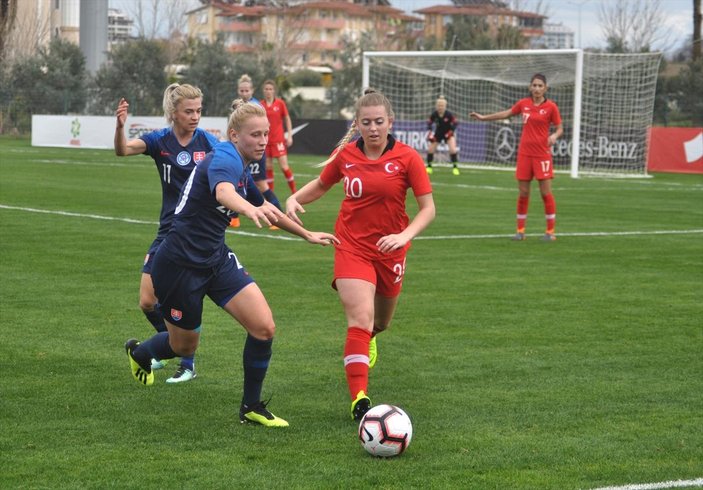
(239, 26)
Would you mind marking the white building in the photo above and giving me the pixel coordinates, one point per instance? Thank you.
(556, 36)
(119, 27)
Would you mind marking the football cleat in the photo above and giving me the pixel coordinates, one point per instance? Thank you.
(373, 352)
(455, 171)
(429, 170)
(518, 237)
(548, 237)
(360, 406)
(258, 414)
(156, 364)
(182, 375)
(144, 375)
(234, 222)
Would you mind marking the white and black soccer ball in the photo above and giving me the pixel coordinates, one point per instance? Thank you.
(385, 431)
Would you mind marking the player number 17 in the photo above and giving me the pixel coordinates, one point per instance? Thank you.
(545, 165)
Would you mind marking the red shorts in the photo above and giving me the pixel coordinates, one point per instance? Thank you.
(275, 150)
(529, 168)
(385, 274)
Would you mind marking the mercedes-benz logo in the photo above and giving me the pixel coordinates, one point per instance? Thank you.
(504, 142)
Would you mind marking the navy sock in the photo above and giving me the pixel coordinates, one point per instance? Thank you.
(271, 197)
(157, 347)
(256, 356)
(188, 363)
(156, 319)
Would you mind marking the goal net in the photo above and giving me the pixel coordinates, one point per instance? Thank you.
(606, 103)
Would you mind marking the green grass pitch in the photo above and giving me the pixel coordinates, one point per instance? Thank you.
(568, 365)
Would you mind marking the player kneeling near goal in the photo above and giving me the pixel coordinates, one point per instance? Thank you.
(534, 155)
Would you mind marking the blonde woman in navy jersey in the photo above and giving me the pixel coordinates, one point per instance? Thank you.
(193, 261)
(175, 150)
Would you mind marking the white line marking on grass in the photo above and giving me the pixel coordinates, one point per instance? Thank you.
(585, 234)
(656, 486)
(284, 237)
(136, 221)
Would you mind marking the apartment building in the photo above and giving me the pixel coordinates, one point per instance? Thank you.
(311, 33)
(436, 19)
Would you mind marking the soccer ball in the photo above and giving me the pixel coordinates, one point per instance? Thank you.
(385, 431)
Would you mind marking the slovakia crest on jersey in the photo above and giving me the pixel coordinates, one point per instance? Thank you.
(391, 168)
(176, 314)
(198, 156)
(183, 158)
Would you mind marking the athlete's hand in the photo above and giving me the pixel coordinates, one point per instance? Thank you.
(431, 137)
(293, 207)
(552, 139)
(391, 243)
(476, 115)
(121, 113)
(321, 238)
(267, 212)
(448, 134)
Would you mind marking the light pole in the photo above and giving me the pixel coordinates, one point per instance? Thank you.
(579, 4)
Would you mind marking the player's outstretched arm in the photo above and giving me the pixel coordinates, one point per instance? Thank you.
(491, 117)
(312, 191)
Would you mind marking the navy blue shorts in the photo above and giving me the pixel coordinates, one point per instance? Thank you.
(181, 290)
(149, 257)
(258, 169)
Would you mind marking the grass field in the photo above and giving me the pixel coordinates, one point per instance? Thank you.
(570, 365)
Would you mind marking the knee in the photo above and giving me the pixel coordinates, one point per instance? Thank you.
(264, 331)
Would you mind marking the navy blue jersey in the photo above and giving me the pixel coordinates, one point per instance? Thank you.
(197, 236)
(174, 164)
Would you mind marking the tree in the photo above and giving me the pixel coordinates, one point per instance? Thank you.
(686, 88)
(159, 18)
(468, 33)
(633, 25)
(135, 71)
(54, 81)
(346, 84)
(213, 70)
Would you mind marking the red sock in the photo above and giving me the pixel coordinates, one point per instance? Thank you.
(522, 204)
(269, 177)
(550, 212)
(356, 360)
(289, 177)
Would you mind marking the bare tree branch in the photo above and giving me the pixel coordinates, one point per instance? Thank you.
(635, 25)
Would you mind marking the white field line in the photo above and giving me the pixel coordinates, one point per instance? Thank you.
(278, 236)
(698, 482)
(563, 183)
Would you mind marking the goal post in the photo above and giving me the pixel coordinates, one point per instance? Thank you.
(606, 102)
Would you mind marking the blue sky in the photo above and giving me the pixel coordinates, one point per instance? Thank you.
(678, 17)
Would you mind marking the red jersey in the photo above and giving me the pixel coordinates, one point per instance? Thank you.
(535, 125)
(374, 194)
(276, 112)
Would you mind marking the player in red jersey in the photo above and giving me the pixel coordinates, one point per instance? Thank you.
(277, 148)
(373, 228)
(534, 157)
